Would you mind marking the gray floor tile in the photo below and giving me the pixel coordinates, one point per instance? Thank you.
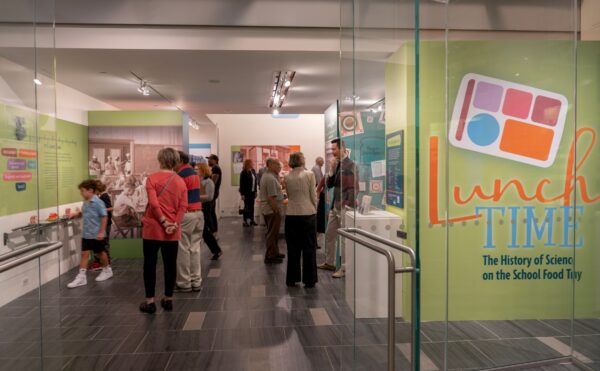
(461, 356)
(280, 318)
(580, 327)
(520, 329)
(208, 361)
(314, 336)
(34, 363)
(177, 341)
(364, 358)
(88, 363)
(239, 339)
(75, 348)
(114, 332)
(146, 362)
(515, 351)
(457, 330)
(589, 346)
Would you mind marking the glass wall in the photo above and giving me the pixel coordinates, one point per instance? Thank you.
(489, 174)
(377, 51)
(29, 314)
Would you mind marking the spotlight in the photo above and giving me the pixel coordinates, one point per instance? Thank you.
(287, 83)
(144, 89)
(37, 81)
(380, 108)
(275, 112)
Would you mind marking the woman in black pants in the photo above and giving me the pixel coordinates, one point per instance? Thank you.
(248, 187)
(206, 196)
(300, 224)
(167, 204)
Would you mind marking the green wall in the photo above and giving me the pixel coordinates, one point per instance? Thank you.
(135, 118)
(452, 254)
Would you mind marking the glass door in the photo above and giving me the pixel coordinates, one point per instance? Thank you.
(30, 313)
(375, 162)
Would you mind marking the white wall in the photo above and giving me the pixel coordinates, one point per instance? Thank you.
(207, 133)
(72, 105)
(306, 130)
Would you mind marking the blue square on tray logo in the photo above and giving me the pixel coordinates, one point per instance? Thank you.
(21, 187)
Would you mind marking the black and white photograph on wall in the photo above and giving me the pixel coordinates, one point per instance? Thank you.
(122, 158)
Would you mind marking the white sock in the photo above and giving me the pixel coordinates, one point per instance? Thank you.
(82, 271)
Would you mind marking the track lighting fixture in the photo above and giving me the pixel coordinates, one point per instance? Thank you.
(281, 83)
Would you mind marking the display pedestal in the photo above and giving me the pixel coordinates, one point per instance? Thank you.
(367, 270)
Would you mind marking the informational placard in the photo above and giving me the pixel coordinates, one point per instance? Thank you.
(394, 153)
(42, 159)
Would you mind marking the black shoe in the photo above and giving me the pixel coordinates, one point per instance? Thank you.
(166, 304)
(290, 284)
(148, 308)
(273, 261)
(217, 255)
(281, 256)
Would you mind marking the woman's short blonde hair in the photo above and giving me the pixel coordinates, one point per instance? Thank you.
(168, 158)
(296, 160)
(204, 169)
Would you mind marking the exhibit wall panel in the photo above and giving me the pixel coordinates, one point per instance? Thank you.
(532, 218)
(305, 131)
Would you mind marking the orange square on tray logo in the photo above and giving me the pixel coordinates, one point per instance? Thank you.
(527, 140)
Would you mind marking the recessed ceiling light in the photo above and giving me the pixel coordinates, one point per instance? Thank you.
(37, 81)
(214, 81)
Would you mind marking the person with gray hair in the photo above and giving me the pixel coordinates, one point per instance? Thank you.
(320, 184)
(271, 200)
(167, 204)
(300, 223)
(318, 169)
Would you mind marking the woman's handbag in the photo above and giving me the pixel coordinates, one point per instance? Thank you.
(241, 207)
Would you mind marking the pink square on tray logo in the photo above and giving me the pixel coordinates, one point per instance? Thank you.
(508, 120)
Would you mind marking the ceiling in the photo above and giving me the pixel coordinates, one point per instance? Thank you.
(219, 56)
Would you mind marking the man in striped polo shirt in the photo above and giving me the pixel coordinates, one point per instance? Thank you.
(188, 257)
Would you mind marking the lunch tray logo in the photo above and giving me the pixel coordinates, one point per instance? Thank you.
(508, 120)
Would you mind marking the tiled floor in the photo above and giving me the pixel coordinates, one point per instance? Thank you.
(245, 318)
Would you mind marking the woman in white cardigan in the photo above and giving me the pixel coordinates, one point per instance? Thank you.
(300, 223)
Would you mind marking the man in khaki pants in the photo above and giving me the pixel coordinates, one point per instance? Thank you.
(271, 198)
(189, 275)
(343, 177)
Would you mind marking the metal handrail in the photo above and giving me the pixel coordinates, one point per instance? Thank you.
(23, 250)
(350, 233)
(15, 263)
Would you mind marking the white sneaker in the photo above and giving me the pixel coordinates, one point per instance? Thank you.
(105, 274)
(80, 280)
